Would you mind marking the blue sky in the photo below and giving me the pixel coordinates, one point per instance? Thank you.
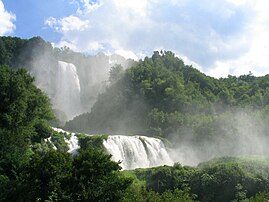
(31, 15)
(218, 37)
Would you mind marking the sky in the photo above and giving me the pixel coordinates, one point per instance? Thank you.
(219, 37)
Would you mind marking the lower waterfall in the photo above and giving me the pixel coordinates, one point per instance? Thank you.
(132, 151)
(72, 142)
(137, 151)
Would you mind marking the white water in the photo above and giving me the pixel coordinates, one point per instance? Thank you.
(132, 151)
(72, 142)
(67, 98)
(49, 140)
(137, 151)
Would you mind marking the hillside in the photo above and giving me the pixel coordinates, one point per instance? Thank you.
(157, 94)
(221, 179)
(201, 116)
(72, 80)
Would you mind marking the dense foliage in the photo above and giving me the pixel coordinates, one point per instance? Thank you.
(159, 95)
(162, 96)
(223, 179)
(96, 141)
(41, 59)
(24, 112)
(30, 169)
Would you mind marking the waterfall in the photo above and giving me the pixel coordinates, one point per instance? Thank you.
(72, 142)
(132, 151)
(137, 151)
(67, 98)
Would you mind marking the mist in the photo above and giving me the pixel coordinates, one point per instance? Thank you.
(237, 133)
(74, 82)
(71, 80)
(201, 117)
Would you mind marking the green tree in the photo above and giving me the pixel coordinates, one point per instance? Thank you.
(115, 73)
(45, 178)
(23, 111)
(96, 178)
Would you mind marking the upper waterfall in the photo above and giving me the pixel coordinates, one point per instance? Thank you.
(67, 97)
(137, 151)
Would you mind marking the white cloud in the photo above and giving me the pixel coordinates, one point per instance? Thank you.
(219, 37)
(127, 54)
(70, 23)
(95, 46)
(73, 23)
(238, 2)
(6, 20)
(69, 44)
(256, 58)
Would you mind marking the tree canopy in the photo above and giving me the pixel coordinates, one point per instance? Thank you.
(40, 173)
(24, 112)
(160, 94)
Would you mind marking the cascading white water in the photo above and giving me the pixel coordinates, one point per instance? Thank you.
(72, 142)
(132, 151)
(137, 151)
(67, 98)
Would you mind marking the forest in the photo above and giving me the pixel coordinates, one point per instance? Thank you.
(160, 96)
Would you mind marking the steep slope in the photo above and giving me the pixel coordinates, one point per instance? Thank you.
(201, 116)
(54, 67)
